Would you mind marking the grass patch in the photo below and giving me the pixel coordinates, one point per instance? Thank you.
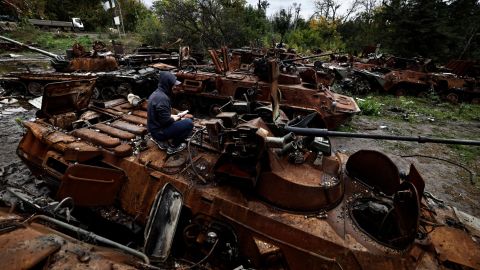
(415, 109)
(346, 128)
(59, 42)
(370, 106)
(50, 41)
(468, 154)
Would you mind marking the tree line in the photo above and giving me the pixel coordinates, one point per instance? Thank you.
(437, 29)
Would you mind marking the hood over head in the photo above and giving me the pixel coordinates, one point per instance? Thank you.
(166, 81)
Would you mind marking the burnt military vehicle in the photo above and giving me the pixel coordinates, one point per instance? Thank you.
(245, 193)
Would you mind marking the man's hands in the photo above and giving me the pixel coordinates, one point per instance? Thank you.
(181, 115)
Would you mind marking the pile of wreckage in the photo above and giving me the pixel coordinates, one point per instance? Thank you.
(458, 81)
(258, 187)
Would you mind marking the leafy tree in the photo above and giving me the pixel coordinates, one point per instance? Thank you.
(150, 30)
(282, 22)
(211, 23)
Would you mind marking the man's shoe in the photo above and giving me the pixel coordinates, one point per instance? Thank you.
(172, 150)
(162, 145)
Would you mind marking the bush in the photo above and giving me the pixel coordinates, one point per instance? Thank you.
(369, 106)
(150, 30)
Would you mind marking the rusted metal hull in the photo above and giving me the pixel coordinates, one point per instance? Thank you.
(296, 99)
(280, 223)
(36, 246)
(108, 84)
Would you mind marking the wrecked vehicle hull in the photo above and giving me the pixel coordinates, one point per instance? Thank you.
(108, 84)
(250, 198)
(27, 244)
(365, 78)
(213, 91)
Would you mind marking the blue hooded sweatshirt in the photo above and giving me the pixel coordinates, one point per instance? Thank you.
(159, 106)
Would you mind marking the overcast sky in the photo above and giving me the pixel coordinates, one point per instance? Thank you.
(275, 5)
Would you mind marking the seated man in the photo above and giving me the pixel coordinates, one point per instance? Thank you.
(161, 124)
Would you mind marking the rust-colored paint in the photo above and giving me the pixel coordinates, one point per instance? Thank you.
(463, 250)
(93, 64)
(36, 246)
(333, 109)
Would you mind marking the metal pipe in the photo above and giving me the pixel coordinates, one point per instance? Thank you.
(317, 132)
(93, 236)
(49, 54)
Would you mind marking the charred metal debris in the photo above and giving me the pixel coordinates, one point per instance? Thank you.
(252, 190)
(258, 186)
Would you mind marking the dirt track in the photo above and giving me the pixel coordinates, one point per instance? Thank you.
(12, 168)
(446, 181)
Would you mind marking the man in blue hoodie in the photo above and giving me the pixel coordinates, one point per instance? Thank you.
(162, 125)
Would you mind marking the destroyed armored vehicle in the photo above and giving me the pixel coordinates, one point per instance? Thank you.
(245, 193)
(363, 78)
(111, 80)
(147, 55)
(108, 85)
(77, 59)
(299, 94)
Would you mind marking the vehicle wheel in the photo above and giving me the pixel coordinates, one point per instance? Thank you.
(452, 98)
(107, 92)
(185, 104)
(214, 110)
(35, 89)
(124, 89)
(400, 91)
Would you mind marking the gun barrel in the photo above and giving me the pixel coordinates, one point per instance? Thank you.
(317, 132)
(49, 54)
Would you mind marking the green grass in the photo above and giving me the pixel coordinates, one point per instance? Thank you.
(370, 106)
(59, 42)
(50, 41)
(415, 109)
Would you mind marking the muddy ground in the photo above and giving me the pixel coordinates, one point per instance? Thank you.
(446, 181)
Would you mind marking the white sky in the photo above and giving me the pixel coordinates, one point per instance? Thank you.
(306, 11)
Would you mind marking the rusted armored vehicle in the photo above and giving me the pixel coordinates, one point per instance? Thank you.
(146, 55)
(245, 193)
(111, 80)
(447, 85)
(401, 76)
(79, 60)
(299, 93)
(108, 85)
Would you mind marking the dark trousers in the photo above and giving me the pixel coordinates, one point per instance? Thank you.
(178, 131)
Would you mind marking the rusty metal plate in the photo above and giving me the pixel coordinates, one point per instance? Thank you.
(96, 137)
(68, 96)
(18, 253)
(135, 119)
(91, 185)
(115, 132)
(129, 127)
(375, 170)
(107, 63)
(454, 245)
